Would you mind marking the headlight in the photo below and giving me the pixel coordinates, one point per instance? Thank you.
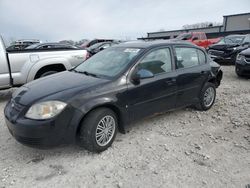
(240, 57)
(45, 110)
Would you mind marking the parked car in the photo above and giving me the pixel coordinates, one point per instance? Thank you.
(53, 46)
(198, 38)
(115, 87)
(92, 42)
(16, 47)
(20, 67)
(242, 65)
(226, 50)
(92, 50)
(27, 41)
(22, 44)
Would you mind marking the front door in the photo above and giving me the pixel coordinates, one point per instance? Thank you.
(156, 94)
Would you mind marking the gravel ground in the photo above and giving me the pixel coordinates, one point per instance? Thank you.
(184, 148)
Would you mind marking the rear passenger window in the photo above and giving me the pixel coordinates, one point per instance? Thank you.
(186, 57)
(157, 61)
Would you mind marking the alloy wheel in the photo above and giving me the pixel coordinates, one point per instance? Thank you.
(209, 96)
(105, 130)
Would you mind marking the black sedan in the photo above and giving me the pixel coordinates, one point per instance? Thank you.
(226, 50)
(242, 65)
(117, 86)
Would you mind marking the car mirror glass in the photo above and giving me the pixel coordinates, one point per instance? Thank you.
(143, 74)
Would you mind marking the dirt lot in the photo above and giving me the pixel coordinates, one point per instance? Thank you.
(185, 148)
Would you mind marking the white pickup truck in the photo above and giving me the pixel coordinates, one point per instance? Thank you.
(20, 67)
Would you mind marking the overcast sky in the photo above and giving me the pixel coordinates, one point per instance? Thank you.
(54, 20)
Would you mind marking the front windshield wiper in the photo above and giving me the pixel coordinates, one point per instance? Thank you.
(85, 72)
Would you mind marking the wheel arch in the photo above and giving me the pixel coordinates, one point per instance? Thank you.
(44, 63)
(114, 108)
(53, 67)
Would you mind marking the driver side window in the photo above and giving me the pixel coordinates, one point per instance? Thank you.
(157, 61)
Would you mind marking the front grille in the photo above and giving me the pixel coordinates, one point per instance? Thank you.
(13, 110)
(18, 107)
(215, 52)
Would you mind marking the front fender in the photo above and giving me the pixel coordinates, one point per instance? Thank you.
(45, 62)
(111, 103)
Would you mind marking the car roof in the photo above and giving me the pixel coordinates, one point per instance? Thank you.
(155, 43)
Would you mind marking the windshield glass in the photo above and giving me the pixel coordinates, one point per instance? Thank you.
(32, 46)
(108, 63)
(232, 40)
(185, 36)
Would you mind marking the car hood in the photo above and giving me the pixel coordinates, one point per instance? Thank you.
(223, 46)
(246, 52)
(53, 84)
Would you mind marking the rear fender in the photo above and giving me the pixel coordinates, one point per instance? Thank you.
(45, 62)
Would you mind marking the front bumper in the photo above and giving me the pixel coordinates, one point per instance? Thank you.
(42, 133)
(242, 69)
(223, 57)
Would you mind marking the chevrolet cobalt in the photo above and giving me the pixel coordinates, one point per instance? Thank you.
(90, 103)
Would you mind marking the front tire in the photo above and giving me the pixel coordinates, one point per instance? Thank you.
(98, 130)
(238, 72)
(207, 97)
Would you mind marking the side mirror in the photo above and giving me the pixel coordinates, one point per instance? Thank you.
(195, 38)
(141, 74)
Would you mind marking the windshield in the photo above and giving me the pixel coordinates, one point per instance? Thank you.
(184, 36)
(108, 63)
(32, 46)
(232, 40)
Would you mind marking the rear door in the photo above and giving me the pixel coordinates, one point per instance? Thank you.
(192, 72)
(157, 94)
(4, 67)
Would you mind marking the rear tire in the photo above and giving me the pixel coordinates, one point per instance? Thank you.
(207, 97)
(98, 130)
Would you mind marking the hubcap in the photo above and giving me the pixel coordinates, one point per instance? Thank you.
(105, 130)
(209, 97)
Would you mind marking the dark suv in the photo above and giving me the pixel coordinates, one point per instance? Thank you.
(115, 87)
